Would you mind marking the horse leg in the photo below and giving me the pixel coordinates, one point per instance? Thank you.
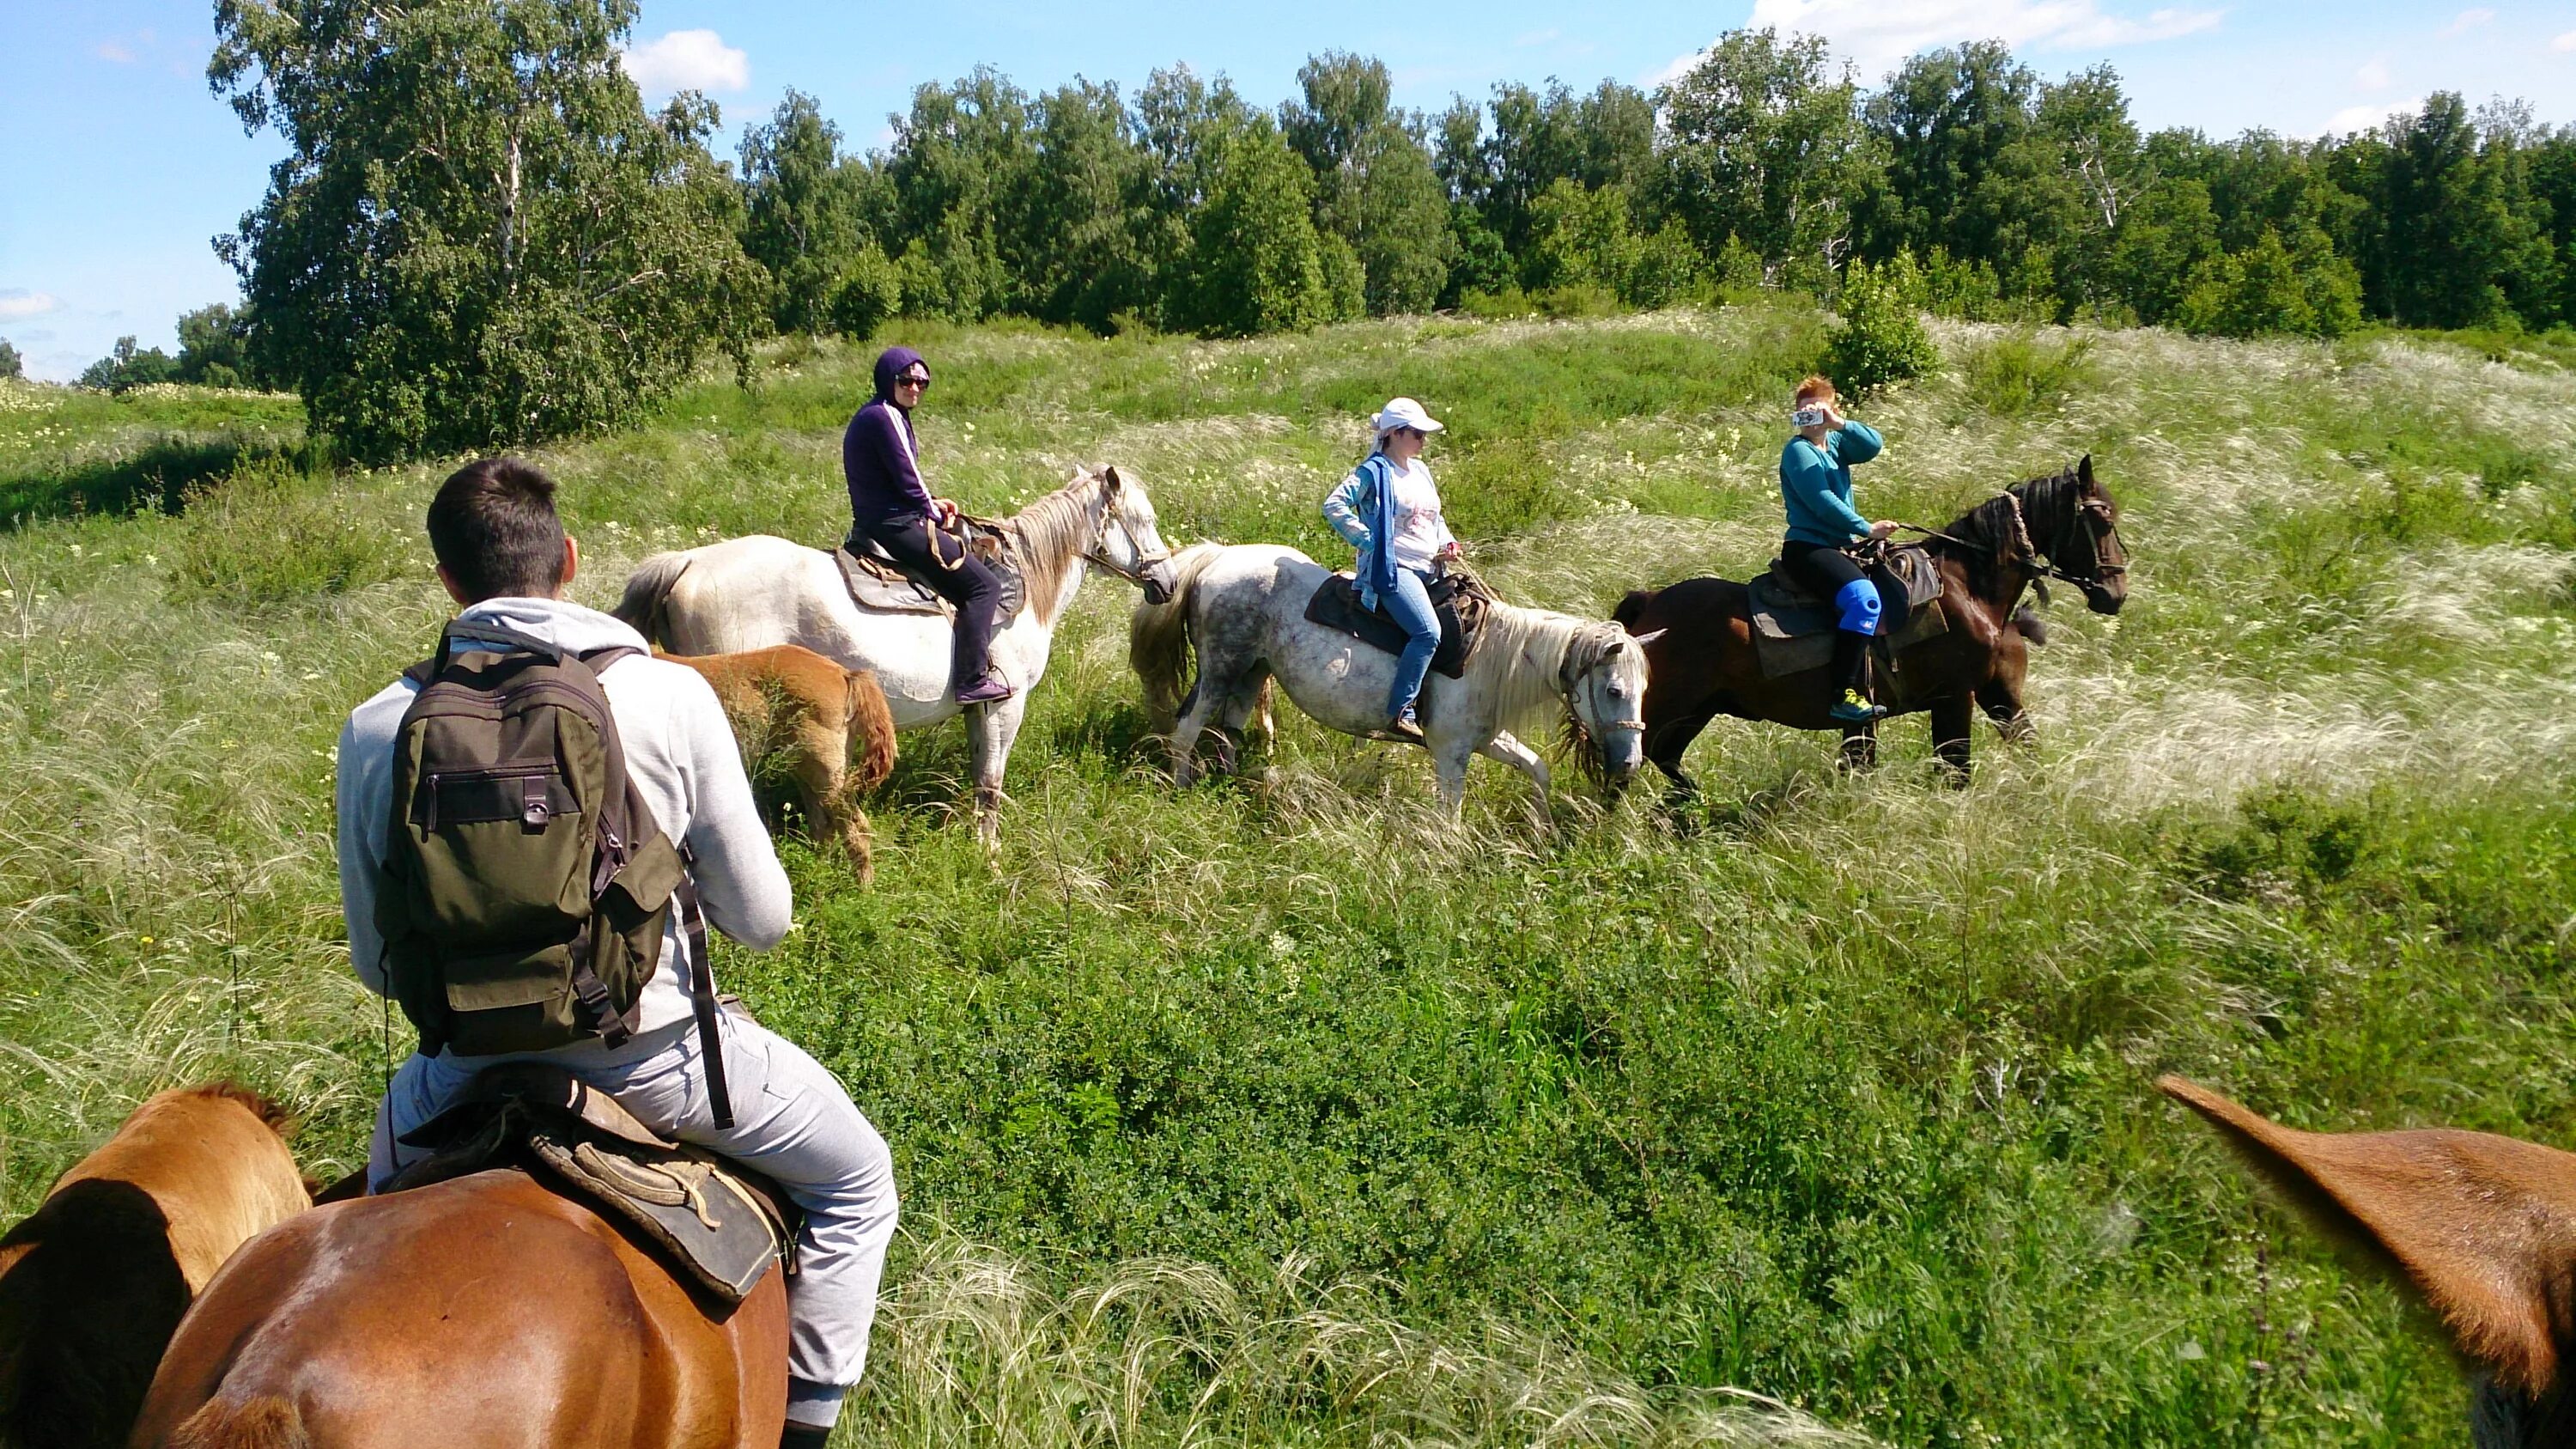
(1526, 760)
(2000, 698)
(1250, 695)
(1671, 739)
(1950, 719)
(1860, 748)
(1193, 723)
(995, 727)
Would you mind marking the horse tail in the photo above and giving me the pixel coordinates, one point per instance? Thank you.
(1633, 608)
(648, 589)
(1158, 638)
(262, 1422)
(871, 731)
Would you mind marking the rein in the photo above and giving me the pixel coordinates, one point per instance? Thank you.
(2037, 564)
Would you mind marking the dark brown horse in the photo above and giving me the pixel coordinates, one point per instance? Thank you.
(483, 1310)
(1703, 666)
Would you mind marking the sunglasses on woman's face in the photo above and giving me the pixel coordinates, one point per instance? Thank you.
(913, 380)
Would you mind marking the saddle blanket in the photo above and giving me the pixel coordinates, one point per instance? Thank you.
(715, 1224)
(876, 582)
(1336, 606)
(1793, 629)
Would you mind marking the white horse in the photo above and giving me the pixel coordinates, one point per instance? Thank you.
(1245, 609)
(750, 593)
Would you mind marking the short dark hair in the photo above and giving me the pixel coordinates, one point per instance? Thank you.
(494, 529)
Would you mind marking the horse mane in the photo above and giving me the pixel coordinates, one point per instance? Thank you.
(275, 1118)
(1998, 531)
(1521, 654)
(1054, 531)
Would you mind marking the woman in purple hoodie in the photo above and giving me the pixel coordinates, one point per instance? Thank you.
(889, 506)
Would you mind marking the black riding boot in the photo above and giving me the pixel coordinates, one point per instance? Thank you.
(803, 1436)
(1850, 674)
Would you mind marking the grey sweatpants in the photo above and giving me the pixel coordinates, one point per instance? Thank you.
(792, 1121)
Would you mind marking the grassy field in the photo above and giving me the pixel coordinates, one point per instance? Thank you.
(1280, 1111)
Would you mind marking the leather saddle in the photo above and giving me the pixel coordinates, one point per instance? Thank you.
(1793, 628)
(878, 583)
(715, 1224)
(1458, 598)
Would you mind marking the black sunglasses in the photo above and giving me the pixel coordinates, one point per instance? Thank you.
(912, 380)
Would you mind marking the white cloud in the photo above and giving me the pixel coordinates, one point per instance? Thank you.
(17, 302)
(2373, 74)
(687, 60)
(2467, 21)
(1877, 37)
(110, 50)
(2564, 42)
(2367, 118)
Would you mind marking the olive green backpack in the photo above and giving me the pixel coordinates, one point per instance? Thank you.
(526, 884)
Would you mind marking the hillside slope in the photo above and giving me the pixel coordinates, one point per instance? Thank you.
(1837, 1090)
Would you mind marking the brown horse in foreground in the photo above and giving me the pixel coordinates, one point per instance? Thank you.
(93, 1282)
(1704, 664)
(2483, 1228)
(484, 1311)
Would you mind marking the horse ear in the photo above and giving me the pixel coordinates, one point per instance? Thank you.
(2084, 470)
(1109, 475)
(1651, 635)
(2478, 1224)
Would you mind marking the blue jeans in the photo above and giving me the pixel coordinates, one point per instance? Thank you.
(1410, 604)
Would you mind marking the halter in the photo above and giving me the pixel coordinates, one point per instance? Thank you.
(2032, 561)
(1567, 677)
(1100, 535)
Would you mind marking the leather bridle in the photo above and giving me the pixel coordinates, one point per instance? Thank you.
(1091, 553)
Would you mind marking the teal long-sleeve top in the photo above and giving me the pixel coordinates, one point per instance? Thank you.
(1815, 483)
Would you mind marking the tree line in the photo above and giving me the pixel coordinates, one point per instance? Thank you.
(480, 235)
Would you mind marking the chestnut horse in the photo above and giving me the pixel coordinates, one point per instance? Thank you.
(93, 1282)
(827, 725)
(482, 1310)
(1703, 665)
(2481, 1227)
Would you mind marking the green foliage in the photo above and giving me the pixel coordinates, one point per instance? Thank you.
(1966, 290)
(1256, 264)
(125, 367)
(2017, 374)
(1766, 148)
(1375, 187)
(868, 295)
(214, 348)
(267, 534)
(1882, 338)
(477, 237)
(12, 366)
(801, 217)
(2266, 290)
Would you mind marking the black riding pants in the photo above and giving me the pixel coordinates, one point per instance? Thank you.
(940, 559)
(1824, 569)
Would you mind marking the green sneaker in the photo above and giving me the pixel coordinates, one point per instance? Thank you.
(1856, 708)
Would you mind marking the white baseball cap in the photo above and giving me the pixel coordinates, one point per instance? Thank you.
(1404, 412)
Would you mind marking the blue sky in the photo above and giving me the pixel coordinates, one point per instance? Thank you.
(117, 166)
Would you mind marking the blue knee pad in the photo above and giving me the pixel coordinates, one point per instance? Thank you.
(1859, 602)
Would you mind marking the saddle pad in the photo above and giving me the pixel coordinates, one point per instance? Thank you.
(1336, 606)
(875, 581)
(874, 584)
(1784, 610)
(706, 1221)
(1799, 653)
(714, 1224)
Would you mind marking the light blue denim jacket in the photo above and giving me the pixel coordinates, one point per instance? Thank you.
(1365, 495)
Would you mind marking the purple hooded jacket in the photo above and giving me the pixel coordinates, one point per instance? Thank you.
(877, 453)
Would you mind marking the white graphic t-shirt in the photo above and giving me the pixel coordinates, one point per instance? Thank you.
(1419, 532)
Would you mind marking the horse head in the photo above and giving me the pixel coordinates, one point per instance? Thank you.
(1130, 545)
(2085, 541)
(1604, 683)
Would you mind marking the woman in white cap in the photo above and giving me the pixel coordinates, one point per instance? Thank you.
(1390, 511)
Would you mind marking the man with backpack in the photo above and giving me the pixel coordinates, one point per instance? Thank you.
(567, 805)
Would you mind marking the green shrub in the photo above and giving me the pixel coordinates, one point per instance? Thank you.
(1966, 290)
(869, 293)
(1882, 338)
(2016, 373)
(2268, 288)
(1345, 280)
(267, 534)
(1667, 269)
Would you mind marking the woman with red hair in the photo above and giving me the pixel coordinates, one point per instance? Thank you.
(1815, 484)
